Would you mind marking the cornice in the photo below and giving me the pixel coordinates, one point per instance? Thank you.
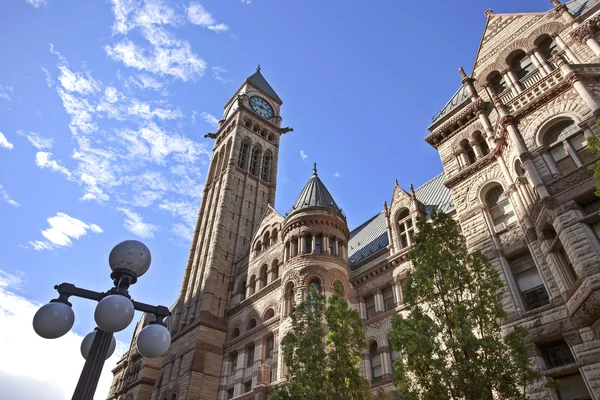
(473, 168)
(445, 132)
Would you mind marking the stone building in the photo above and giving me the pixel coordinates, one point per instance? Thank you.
(512, 141)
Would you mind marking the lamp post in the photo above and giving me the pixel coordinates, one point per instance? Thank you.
(115, 310)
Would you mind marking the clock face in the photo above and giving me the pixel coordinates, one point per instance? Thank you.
(261, 107)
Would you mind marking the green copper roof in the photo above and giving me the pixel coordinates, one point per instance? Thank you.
(460, 97)
(259, 81)
(315, 194)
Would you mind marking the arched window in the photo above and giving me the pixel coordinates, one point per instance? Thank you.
(520, 64)
(274, 270)
(274, 235)
(405, 229)
(254, 160)
(568, 146)
(252, 285)
(546, 46)
(242, 290)
(468, 151)
(243, 157)
(376, 370)
(251, 324)
(339, 284)
(258, 248)
(265, 174)
(269, 314)
(262, 277)
(288, 303)
(235, 333)
(496, 82)
(316, 284)
(501, 210)
(482, 143)
(267, 239)
(174, 397)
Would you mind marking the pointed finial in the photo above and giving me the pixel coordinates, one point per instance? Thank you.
(555, 3)
(397, 182)
(258, 68)
(489, 12)
(462, 73)
(315, 169)
(412, 189)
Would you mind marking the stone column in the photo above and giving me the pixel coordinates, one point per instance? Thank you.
(313, 243)
(538, 61)
(362, 308)
(325, 245)
(563, 46)
(512, 81)
(302, 244)
(520, 206)
(238, 389)
(378, 300)
(575, 79)
(398, 292)
(476, 149)
(259, 349)
(592, 44)
(550, 164)
(368, 371)
(386, 360)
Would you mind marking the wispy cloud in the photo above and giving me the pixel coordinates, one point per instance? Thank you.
(43, 159)
(62, 231)
(337, 175)
(49, 81)
(135, 224)
(198, 15)
(81, 83)
(211, 119)
(6, 92)
(303, 155)
(4, 142)
(218, 74)
(37, 3)
(246, 1)
(7, 198)
(37, 141)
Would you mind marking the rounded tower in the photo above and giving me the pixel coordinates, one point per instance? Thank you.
(315, 239)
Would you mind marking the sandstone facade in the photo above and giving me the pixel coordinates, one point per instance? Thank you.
(512, 141)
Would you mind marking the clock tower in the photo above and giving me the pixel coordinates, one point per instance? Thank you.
(239, 188)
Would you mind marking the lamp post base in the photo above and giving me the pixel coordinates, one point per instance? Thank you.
(88, 380)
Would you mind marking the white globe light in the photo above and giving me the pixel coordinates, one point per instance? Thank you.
(153, 341)
(86, 345)
(114, 313)
(53, 320)
(130, 256)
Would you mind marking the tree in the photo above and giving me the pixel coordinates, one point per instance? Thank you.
(594, 145)
(451, 340)
(323, 365)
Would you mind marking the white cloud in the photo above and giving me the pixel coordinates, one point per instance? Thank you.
(43, 159)
(39, 142)
(218, 74)
(146, 82)
(337, 175)
(303, 155)
(134, 224)
(246, 1)
(182, 231)
(37, 3)
(49, 81)
(76, 82)
(63, 228)
(7, 198)
(211, 119)
(186, 210)
(6, 92)
(33, 374)
(141, 109)
(4, 142)
(198, 15)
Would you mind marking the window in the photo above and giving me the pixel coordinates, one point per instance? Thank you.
(388, 298)
(572, 387)
(496, 82)
(482, 143)
(252, 285)
(566, 268)
(529, 282)
(269, 346)
(230, 394)
(267, 239)
(308, 244)
(376, 370)
(266, 167)
(468, 151)
(318, 244)
(521, 64)
(269, 314)
(258, 248)
(405, 229)
(274, 235)
(243, 157)
(316, 284)
(501, 210)
(235, 333)
(563, 141)
(234, 361)
(557, 354)
(250, 355)
(247, 386)
(254, 160)
(546, 47)
(263, 276)
(331, 246)
(242, 290)
(288, 305)
(251, 324)
(274, 270)
(370, 305)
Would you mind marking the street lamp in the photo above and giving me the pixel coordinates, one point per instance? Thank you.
(128, 261)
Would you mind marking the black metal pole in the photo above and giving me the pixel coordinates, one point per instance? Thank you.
(88, 380)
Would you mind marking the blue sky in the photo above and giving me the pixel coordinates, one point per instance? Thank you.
(104, 105)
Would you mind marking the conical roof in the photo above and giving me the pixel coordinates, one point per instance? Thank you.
(315, 194)
(259, 81)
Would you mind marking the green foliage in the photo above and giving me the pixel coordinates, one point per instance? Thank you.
(324, 365)
(594, 145)
(451, 341)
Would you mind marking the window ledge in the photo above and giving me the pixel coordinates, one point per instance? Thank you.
(566, 369)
